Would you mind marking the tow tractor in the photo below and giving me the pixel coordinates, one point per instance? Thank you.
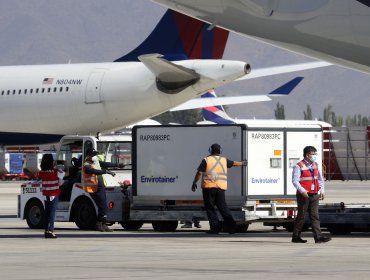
(75, 204)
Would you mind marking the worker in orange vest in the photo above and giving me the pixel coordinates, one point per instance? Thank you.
(213, 170)
(94, 184)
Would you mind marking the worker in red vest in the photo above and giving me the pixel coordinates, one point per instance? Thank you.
(51, 178)
(213, 170)
(308, 181)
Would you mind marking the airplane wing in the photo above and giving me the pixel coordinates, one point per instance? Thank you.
(269, 71)
(210, 101)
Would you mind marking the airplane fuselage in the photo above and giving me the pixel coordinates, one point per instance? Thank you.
(97, 97)
(333, 30)
(80, 98)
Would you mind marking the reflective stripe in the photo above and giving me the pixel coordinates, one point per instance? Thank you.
(50, 188)
(50, 182)
(307, 178)
(92, 179)
(215, 175)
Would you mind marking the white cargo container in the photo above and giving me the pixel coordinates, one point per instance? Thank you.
(167, 157)
(273, 148)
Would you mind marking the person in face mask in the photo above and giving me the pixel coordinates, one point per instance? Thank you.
(308, 181)
(94, 184)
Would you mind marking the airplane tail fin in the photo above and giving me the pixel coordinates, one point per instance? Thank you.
(180, 37)
(217, 114)
(287, 88)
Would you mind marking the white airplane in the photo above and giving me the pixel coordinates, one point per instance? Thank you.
(92, 98)
(332, 30)
(41, 103)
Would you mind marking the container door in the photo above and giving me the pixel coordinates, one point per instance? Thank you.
(265, 163)
(296, 141)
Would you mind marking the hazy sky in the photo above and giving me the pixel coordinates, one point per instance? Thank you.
(51, 31)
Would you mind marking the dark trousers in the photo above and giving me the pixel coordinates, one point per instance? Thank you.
(216, 197)
(310, 205)
(100, 200)
(50, 209)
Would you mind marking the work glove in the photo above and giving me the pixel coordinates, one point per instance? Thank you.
(110, 173)
(194, 187)
(244, 162)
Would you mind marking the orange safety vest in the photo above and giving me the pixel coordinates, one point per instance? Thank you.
(50, 182)
(308, 182)
(90, 181)
(215, 175)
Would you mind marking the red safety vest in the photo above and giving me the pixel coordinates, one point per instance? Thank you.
(50, 182)
(306, 179)
(215, 175)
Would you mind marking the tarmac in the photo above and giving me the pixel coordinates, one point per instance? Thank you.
(261, 252)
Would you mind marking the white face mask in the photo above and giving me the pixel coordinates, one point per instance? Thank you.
(94, 158)
(313, 158)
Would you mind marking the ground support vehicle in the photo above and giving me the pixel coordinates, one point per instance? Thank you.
(75, 204)
(164, 162)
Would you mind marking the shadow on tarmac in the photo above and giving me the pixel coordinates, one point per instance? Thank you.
(121, 233)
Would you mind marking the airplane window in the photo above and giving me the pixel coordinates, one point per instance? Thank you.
(37, 90)
(13, 91)
(61, 89)
(49, 89)
(19, 91)
(55, 89)
(8, 92)
(25, 91)
(2, 92)
(43, 90)
(67, 89)
(31, 90)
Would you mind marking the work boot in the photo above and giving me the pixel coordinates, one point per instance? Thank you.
(298, 239)
(323, 239)
(197, 224)
(50, 234)
(106, 228)
(99, 226)
(187, 224)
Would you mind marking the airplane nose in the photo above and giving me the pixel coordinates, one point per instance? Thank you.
(247, 68)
